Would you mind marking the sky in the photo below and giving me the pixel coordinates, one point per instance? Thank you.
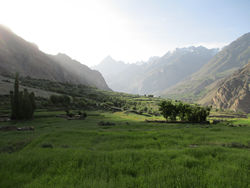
(127, 30)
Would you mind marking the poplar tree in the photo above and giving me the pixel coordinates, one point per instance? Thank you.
(15, 99)
(22, 103)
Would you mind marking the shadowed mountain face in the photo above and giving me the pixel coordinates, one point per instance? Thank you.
(232, 92)
(157, 74)
(84, 73)
(230, 59)
(18, 55)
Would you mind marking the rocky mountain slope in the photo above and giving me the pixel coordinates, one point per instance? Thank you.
(157, 74)
(232, 92)
(231, 58)
(18, 55)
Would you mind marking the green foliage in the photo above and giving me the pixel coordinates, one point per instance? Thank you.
(89, 98)
(186, 112)
(83, 115)
(197, 113)
(22, 103)
(168, 109)
(15, 97)
(61, 101)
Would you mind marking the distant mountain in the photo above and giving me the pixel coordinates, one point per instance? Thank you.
(18, 55)
(109, 66)
(158, 73)
(232, 92)
(230, 59)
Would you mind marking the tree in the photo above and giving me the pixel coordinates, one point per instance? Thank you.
(33, 103)
(15, 99)
(182, 110)
(193, 113)
(22, 103)
(167, 109)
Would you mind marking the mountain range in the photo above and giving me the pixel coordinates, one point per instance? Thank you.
(18, 55)
(208, 76)
(196, 74)
(229, 59)
(158, 73)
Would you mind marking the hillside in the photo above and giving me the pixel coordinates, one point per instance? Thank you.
(158, 73)
(91, 77)
(6, 85)
(232, 93)
(231, 58)
(18, 55)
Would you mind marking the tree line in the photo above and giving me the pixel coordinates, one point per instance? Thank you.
(186, 112)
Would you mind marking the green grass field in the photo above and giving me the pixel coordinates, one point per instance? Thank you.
(133, 153)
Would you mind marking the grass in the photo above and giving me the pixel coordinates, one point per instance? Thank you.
(133, 153)
(242, 121)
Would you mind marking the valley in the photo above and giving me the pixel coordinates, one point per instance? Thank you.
(124, 141)
(179, 118)
(192, 74)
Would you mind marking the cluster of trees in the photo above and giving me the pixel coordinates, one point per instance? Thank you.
(186, 112)
(65, 102)
(62, 101)
(22, 102)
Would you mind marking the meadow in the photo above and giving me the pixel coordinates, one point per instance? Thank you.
(130, 153)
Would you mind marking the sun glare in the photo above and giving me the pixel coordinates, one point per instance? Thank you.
(90, 30)
(86, 30)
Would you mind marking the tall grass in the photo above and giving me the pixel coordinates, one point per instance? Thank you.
(133, 154)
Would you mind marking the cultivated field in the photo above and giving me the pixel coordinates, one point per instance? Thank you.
(126, 152)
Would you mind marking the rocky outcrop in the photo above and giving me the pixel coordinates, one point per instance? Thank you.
(233, 92)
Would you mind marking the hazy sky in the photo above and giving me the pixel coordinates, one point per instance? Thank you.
(128, 30)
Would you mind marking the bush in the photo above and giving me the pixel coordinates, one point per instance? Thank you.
(83, 115)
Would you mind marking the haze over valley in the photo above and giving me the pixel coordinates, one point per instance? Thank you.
(190, 73)
(114, 93)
